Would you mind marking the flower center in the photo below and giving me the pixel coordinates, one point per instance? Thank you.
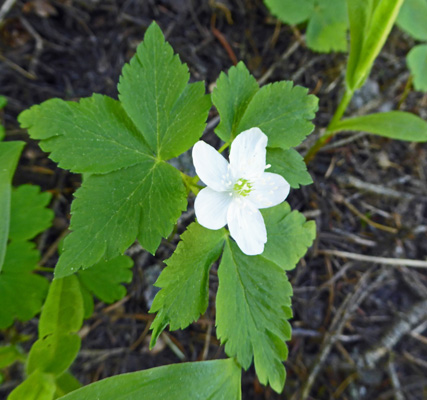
(242, 187)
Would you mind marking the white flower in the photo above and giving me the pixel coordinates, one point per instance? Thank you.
(235, 191)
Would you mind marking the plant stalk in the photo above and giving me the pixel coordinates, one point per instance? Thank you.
(329, 132)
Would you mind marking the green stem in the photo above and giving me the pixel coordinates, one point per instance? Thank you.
(223, 147)
(330, 133)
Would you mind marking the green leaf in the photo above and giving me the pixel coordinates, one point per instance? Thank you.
(9, 355)
(231, 97)
(94, 135)
(290, 164)
(54, 353)
(393, 124)
(283, 112)
(88, 303)
(61, 318)
(412, 18)
(154, 90)
(289, 235)
(2, 132)
(290, 11)
(327, 29)
(9, 156)
(21, 291)
(104, 278)
(29, 215)
(253, 305)
(185, 280)
(370, 24)
(3, 102)
(63, 308)
(417, 63)
(111, 210)
(213, 380)
(66, 383)
(38, 386)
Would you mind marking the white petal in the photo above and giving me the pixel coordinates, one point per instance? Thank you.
(247, 227)
(211, 167)
(211, 208)
(248, 153)
(269, 190)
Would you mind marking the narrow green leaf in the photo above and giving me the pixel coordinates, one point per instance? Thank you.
(104, 279)
(290, 11)
(417, 63)
(111, 210)
(327, 28)
(53, 354)
(393, 124)
(359, 13)
(154, 91)
(29, 215)
(2, 132)
(66, 383)
(290, 164)
(231, 97)
(9, 156)
(283, 112)
(21, 291)
(38, 386)
(185, 280)
(253, 306)
(94, 135)
(9, 355)
(213, 380)
(374, 25)
(63, 308)
(289, 235)
(412, 18)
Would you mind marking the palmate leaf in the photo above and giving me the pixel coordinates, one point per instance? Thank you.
(28, 214)
(327, 21)
(111, 210)
(21, 291)
(9, 156)
(289, 235)
(253, 300)
(282, 111)
(128, 191)
(169, 112)
(185, 281)
(213, 380)
(231, 97)
(290, 164)
(105, 278)
(253, 306)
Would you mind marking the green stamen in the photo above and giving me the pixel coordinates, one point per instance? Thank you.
(242, 187)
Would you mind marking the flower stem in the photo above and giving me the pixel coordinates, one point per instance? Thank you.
(329, 132)
(223, 147)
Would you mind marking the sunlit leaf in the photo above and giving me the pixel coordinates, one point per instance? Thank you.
(185, 280)
(253, 308)
(213, 380)
(393, 124)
